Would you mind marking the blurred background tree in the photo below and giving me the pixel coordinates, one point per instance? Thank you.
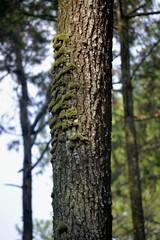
(143, 40)
(26, 31)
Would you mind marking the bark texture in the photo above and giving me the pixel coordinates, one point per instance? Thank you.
(81, 121)
(130, 130)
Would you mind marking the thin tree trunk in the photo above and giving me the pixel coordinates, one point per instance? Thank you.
(81, 121)
(130, 131)
(25, 126)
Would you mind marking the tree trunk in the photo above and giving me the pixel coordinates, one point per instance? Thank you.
(81, 121)
(25, 126)
(130, 131)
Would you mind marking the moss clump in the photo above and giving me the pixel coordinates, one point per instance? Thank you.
(67, 124)
(64, 93)
(62, 227)
(60, 37)
(68, 96)
(60, 52)
(67, 69)
(59, 97)
(57, 94)
(73, 85)
(62, 114)
(64, 125)
(58, 62)
(55, 127)
(60, 106)
(53, 141)
(52, 150)
(57, 45)
(51, 105)
(52, 121)
(61, 137)
(70, 145)
(71, 113)
(78, 136)
(53, 130)
(59, 40)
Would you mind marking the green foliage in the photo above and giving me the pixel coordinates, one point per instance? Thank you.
(148, 135)
(146, 85)
(122, 223)
(43, 230)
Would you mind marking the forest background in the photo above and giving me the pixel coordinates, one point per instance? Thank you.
(35, 23)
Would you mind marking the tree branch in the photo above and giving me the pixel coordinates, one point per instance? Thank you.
(136, 9)
(39, 159)
(146, 119)
(41, 113)
(149, 148)
(143, 59)
(41, 156)
(142, 14)
(41, 16)
(5, 75)
(40, 128)
(12, 185)
(121, 8)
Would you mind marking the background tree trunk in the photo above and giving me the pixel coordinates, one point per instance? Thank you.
(130, 131)
(81, 121)
(26, 135)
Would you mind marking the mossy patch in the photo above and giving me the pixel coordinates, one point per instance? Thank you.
(70, 145)
(69, 113)
(62, 137)
(60, 37)
(67, 69)
(73, 85)
(51, 105)
(59, 62)
(52, 121)
(60, 52)
(68, 96)
(62, 227)
(78, 136)
(60, 106)
(63, 92)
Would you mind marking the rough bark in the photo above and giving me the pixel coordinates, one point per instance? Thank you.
(81, 121)
(25, 126)
(130, 131)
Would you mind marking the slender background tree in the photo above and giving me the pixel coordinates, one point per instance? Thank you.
(137, 16)
(24, 45)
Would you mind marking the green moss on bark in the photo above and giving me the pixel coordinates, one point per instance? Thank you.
(60, 61)
(60, 52)
(69, 113)
(78, 136)
(73, 85)
(63, 91)
(62, 227)
(64, 71)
